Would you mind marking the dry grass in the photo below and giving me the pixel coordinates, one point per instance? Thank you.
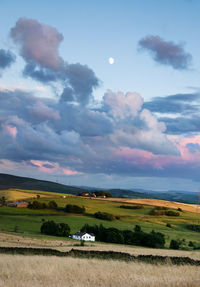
(38, 271)
(11, 240)
(156, 202)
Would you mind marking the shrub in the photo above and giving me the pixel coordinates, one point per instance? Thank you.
(157, 212)
(174, 244)
(52, 205)
(161, 210)
(172, 213)
(168, 225)
(179, 209)
(104, 216)
(132, 206)
(74, 208)
(194, 227)
(191, 244)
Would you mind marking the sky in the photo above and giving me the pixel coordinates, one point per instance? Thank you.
(69, 115)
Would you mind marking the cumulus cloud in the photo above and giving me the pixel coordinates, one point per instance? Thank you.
(123, 106)
(166, 53)
(78, 138)
(6, 58)
(39, 46)
(38, 43)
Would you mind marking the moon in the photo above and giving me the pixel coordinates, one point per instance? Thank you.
(111, 60)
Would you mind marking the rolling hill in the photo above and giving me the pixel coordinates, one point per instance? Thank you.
(8, 181)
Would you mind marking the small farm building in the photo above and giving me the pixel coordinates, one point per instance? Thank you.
(84, 236)
(18, 204)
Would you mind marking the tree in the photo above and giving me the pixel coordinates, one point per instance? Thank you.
(174, 244)
(56, 229)
(2, 200)
(49, 228)
(52, 204)
(74, 208)
(137, 228)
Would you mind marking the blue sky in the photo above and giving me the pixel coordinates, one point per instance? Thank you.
(167, 63)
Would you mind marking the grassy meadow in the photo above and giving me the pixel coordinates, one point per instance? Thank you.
(27, 222)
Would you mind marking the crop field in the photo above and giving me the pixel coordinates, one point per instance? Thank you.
(27, 222)
(21, 271)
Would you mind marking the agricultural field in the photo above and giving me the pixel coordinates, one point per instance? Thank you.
(22, 194)
(27, 222)
(39, 271)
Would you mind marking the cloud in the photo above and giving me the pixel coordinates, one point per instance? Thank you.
(166, 53)
(78, 138)
(38, 43)
(180, 112)
(174, 104)
(123, 106)
(6, 58)
(39, 46)
(82, 81)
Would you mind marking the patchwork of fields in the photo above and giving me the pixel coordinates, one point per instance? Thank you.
(27, 221)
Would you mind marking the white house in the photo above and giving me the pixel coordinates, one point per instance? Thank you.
(84, 236)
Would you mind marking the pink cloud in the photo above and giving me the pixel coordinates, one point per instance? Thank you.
(10, 130)
(70, 172)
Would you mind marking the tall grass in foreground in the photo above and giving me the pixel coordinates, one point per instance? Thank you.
(38, 271)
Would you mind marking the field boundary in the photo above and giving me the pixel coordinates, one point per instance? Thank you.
(107, 255)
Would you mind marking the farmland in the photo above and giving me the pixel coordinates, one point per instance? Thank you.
(26, 221)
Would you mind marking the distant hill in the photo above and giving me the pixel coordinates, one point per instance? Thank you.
(11, 181)
(185, 196)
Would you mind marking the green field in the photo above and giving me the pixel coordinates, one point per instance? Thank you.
(28, 222)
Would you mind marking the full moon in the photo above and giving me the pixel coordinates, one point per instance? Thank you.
(111, 60)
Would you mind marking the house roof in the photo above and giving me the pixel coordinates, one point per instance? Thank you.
(79, 233)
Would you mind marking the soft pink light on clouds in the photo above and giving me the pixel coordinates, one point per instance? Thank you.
(70, 172)
(54, 168)
(185, 153)
(10, 130)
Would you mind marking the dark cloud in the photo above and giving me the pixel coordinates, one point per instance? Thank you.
(82, 80)
(43, 75)
(182, 125)
(6, 58)
(179, 103)
(184, 107)
(166, 53)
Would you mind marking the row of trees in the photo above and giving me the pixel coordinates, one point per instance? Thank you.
(135, 237)
(42, 205)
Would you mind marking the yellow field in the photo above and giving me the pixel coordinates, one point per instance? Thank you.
(43, 271)
(156, 202)
(20, 194)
